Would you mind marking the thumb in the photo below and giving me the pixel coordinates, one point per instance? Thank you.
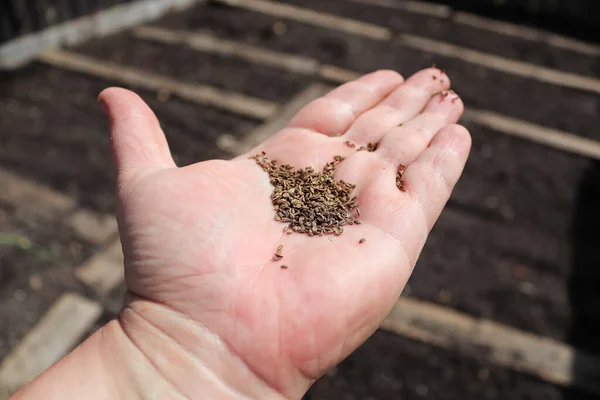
(138, 143)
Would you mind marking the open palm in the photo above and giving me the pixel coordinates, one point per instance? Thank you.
(200, 239)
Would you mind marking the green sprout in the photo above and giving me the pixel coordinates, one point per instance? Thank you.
(25, 244)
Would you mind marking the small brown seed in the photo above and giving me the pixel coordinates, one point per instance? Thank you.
(362, 240)
(400, 184)
(284, 266)
(372, 146)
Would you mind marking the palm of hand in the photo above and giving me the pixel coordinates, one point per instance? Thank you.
(200, 239)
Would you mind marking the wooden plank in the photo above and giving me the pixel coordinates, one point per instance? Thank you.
(253, 54)
(117, 18)
(313, 18)
(507, 347)
(203, 94)
(337, 75)
(32, 197)
(550, 137)
(518, 68)
(526, 33)
(276, 122)
(214, 45)
(57, 333)
(95, 228)
(105, 270)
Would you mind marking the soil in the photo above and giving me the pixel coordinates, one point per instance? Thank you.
(446, 30)
(571, 110)
(388, 367)
(62, 140)
(30, 281)
(192, 66)
(573, 19)
(517, 243)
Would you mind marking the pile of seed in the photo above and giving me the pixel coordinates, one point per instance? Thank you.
(310, 202)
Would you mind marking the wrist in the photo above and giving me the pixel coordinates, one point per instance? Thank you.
(187, 359)
(150, 352)
(83, 373)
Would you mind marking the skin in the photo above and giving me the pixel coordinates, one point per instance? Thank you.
(209, 314)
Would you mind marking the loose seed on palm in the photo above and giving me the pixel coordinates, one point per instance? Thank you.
(311, 202)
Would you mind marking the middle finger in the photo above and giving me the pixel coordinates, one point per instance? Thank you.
(407, 101)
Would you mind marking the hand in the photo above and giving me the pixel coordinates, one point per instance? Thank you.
(208, 304)
(200, 239)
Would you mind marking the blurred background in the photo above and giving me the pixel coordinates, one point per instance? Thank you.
(504, 302)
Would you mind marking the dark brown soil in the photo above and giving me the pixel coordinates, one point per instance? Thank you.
(517, 244)
(462, 35)
(192, 66)
(388, 367)
(62, 139)
(32, 279)
(509, 227)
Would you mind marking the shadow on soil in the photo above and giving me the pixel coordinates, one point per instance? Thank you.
(584, 285)
(575, 18)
